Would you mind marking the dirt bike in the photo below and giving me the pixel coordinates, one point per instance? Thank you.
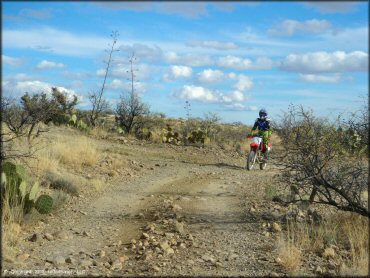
(256, 154)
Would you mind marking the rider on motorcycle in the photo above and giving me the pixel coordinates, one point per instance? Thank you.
(264, 129)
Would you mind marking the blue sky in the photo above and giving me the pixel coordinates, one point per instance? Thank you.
(230, 58)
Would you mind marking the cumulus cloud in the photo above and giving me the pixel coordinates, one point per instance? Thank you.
(198, 93)
(320, 62)
(244, 83)
(181, 71)
(11, 61)
(239, 63)
(290, 27)
(44, 64)
(18, 88)
(202, 94)
(315, 78)
(210, 76)
(192, 59)
(213, 44)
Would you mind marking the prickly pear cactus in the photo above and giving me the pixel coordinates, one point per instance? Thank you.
(34, 191)
(44, 204)
(22, 189)
(73, 119)
(15, 173)
(3, 179)
(28, 204)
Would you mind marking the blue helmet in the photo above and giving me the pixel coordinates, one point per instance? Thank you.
(263, 114)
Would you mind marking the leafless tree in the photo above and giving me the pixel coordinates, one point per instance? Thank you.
(130, 109)
(316, 162)
(98, 102)
(23, 119)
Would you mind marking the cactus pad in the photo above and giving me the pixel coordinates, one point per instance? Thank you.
(28, 204)
(34, 190)
(23, 189)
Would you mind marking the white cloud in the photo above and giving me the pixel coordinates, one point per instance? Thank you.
(143, 51)
(181, 71)
(192, 59)
(240, 107)
(210, 76)
(332, 7)
(319, 62)
(199, 93)
(100, 72)
(18, 88)
(244, 83)
(142, 71)
(44, 64)
(56, 41)
(234, 62)
(176, 72)
(239, 63)
(19, 77)
(315, 78)
(11, 61)
(125, 86)
(213, 44)
(289, 27)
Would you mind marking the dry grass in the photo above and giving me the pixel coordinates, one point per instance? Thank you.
(76, 151)
(99, 132)
(44, 162)
(356, 233)
(12, 217)
(344, 230)
(289, 252)
(97, 184)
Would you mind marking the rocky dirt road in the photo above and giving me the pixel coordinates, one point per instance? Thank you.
(188, 211)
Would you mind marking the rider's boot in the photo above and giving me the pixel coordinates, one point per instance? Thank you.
(265, 155)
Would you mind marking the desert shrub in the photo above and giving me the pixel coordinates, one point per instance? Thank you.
(315, 161)
(60, 183)
(130, 112)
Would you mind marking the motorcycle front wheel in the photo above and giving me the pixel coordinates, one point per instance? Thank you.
(251, 159)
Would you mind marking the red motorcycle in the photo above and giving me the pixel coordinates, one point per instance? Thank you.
(256, 153)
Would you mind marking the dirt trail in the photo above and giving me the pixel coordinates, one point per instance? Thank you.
(210, 198)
